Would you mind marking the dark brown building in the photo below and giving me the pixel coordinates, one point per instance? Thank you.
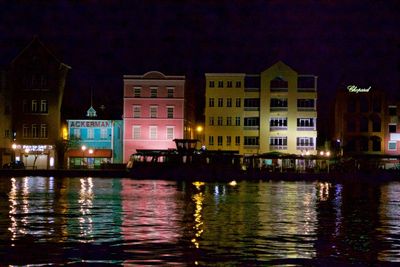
(35, 84)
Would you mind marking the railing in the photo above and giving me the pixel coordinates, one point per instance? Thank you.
(278, 147)
(278, 128)
(278, 108)
(251, 89)
(306, 128)
(256, 127)
(251, 146)
(306, 109)
(279, 89)
(251, 108)
(306, 148)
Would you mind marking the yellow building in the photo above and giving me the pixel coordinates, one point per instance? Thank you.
(256, 114)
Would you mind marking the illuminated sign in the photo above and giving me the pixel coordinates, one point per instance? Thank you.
(89, 123)
(355, 89)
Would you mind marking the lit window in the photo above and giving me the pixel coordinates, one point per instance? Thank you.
(211, 102)
(211, 121)
(170, 112)
(136, 132)
(170, 133)
(43, 131)
(153, 112)
(153, 132)
(43, 106)
(137, 111)
(220, 140)
(90, 133)
(35, 133)
(103, 133)
(237, 140)
(392, 145)
(153, 92)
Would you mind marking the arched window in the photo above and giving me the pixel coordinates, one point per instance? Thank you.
(376, 143)
(376, 124)
(364, 144)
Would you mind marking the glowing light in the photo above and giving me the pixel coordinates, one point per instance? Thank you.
(321, 153)
(90, 151)
(14, 146)
(51, 161)
(83, 148)
(328, 153)
(233, 183)
(198, 184)
(199, 129)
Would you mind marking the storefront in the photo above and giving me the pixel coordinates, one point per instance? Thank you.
(35, 156)
(88, 158)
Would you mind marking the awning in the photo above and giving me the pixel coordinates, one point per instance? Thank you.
(97, 153)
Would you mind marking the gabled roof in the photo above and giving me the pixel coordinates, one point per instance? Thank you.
(36, 41)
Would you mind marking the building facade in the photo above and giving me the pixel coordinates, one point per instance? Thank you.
(255, 114)
(94, 143)
(35, 85)
(360, 115)
(153, 112)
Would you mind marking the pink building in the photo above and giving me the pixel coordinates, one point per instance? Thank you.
(153, 111)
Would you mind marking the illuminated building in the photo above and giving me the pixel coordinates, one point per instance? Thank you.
(359, 119)
(154, 109)
(254, 114)
(392, 130)
(94, 142)
(35, 81)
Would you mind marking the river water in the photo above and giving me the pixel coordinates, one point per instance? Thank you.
(75, 221)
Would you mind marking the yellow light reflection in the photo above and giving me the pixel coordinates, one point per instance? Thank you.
(198, 226)
(323, 191)
(198, 184)
(86, 205)
(233, 183)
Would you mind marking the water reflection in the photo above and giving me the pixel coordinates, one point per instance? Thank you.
(131, 222)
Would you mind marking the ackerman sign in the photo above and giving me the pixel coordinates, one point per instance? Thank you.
(356, 89)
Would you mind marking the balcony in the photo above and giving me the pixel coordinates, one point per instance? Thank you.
(251, 128)
(274, 109)
(306, 109)
(251, 108)
(306, 128)
(305, 90)
(277, 147)
(279, 89)
(278, 128)
(305, 147)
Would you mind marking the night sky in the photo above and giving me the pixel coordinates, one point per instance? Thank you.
(342, 42)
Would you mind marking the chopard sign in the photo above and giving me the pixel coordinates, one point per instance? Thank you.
(355, 89)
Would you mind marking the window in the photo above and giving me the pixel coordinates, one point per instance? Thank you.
(25, 131)
(229, 84)
(229, 102)
(351, 105)
(376, 104)
(43, 82)
(211, 102)
(392, 128)
(251, 103)
(228, 121)
(278, 124)
(43, 131)
(211, 140)
(136, 132)
(220, 102)
(238, 102)
(7, 133)
(103, 133)
(77, 133)
(392, 145)
(90, 133)
(228, 140)
(137, 91)
(153, 132)
(306, 104)
(278, 83)
(252, 121)
(219, 122)
(211, 84)
(364, 144)
(35, 132)
(363, 124)
(170, 132)
(237, 121)
(170, 112)
(238, 84)
(137, 111)
(279, 103)
(170, 92)
(278, 143)
(219, 140)
(34, 107)
(220, 84)
(392, 111)
(43, 106)
(153, 111)
(251, 141)
(305, 142)
(364, 103)
(376, 124)
(237, 140)
(305, 122)
(211, 121)
(153, 92)
(376, 144)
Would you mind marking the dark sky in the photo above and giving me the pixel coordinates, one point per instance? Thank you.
(340, 41)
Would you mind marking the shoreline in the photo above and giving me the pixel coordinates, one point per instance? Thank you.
(211, 175)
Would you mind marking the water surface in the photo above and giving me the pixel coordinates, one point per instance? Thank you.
(47, 220)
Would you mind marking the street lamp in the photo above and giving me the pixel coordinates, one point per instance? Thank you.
(83, 154)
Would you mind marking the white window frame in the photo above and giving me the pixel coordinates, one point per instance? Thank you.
(77, 133)
(170, 132)
(103, 133)
(153, 132)
(136, 132)
(43, 131)
(153, 112)
(137, 111)
(35, 132)
(170, 112)
(90, 133)
(137, 91)
(395, 144)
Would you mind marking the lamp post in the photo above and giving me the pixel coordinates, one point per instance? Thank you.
(83, 147)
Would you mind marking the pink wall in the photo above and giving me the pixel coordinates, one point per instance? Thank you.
(162, 101)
